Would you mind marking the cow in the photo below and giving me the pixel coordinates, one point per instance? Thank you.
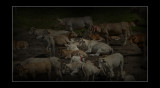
(95, 36)
(20, 44)
(76, 23)
(111, 61)
(38, 33)
(115, 29)
(87, 68)
(69, 53)
(115, 37)
(72, 46)
(141, 40)
(50, 44)
(31, 67)
(127, 77)
(90, 70)
(96, 47)
(77, 59)
(74, 67)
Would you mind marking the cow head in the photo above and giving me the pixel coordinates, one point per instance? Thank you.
(71, 46)
(32, 30)
(72, 34)
(101, 63)
(132, 39)
(97, 28)
(59, 22)
(81, 42)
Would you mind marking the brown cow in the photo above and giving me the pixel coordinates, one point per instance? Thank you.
(114, 29)
(95, 36)
(140, 40)
(69, 53)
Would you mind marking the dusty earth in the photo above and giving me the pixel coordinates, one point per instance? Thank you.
(135, 63)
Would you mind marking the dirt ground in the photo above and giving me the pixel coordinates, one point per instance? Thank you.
(135, 63)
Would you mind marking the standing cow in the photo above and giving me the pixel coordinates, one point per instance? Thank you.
(111, 62)
(115, 29)
(76, 23)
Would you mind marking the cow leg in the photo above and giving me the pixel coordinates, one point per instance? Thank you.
(49, 74)
(74, 71)
(93, 78)
(89, 50)
(60, 74)
(111, 72)
(125, 37)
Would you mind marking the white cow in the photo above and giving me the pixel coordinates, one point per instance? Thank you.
(77, 59)
(96, 47)
(90, 70)
(111, 62)
(87, 68)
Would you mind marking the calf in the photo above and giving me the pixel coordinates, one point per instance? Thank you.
(20, 44)
(95, 36)
(69, 53)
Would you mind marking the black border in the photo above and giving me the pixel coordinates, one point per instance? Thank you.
(8, 28)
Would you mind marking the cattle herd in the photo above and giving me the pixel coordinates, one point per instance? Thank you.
(68, 45)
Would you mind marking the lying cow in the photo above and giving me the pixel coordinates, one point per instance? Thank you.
(34, 66)
(96, 47)
(20, 44)
(140, 40)
(61, 40)
(77, 59)
(111, 62)
(69, 53)
(114, 29)
(127, 77)
(95, 36)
